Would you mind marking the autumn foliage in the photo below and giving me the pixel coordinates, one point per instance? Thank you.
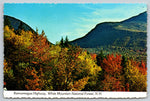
(112, 64)
(128, 77)
(33, 63)
(33, 80)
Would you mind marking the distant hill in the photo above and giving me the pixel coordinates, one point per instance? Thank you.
(15, 23)
(127, 33)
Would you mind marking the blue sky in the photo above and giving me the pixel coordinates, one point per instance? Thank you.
(72, 20)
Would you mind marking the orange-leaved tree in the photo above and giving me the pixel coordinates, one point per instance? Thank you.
(40, 59)
(112, 84)
(112, 65)
(33, 80)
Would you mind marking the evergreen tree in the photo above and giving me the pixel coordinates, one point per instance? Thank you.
(124, 62)
(100, 58)
(62, 42)
(66, 43)
(124, 67)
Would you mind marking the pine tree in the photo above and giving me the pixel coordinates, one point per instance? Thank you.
(66, 43)
(100, 58)
(62, 42)
(124, 62)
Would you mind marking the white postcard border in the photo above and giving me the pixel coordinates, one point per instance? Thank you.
(6, 94)
(73, 94)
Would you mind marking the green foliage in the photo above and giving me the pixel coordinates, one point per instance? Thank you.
(100, 58)
(132, 52)
(64, 43)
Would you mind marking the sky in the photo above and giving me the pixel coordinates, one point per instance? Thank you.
(72, 20)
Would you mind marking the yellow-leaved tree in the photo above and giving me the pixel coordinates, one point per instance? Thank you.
(136, 79)
(73, 69)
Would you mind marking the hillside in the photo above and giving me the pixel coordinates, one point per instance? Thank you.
(15, 23)
(18, 24)
(127, 33)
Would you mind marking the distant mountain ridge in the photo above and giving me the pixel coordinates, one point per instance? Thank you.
(127, 33)
(142, 17)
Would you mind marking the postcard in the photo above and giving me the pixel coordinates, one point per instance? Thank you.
(75, 50)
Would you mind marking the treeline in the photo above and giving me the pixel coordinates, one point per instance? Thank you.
(31, 62)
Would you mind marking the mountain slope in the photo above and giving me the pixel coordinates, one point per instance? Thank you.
(128, 33)
(15, 23)
(142, 17)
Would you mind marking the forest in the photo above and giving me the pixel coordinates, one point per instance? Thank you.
(31, 62)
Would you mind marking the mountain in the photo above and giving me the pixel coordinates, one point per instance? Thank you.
(142, 17)
(16, 23)
(128, 33)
